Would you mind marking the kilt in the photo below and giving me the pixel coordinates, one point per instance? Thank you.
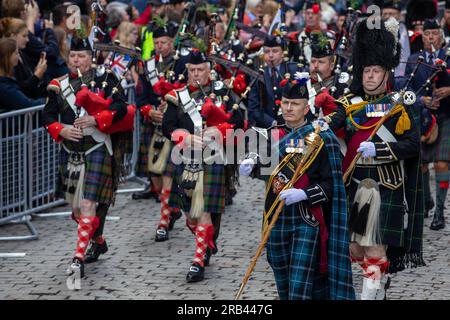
(293, 253)
(98, 181)
(213, 190)
(145, 132)
(391, 211)
(442, 152)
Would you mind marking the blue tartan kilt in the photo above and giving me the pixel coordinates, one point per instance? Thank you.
(293, 253)
(213, 190)
(98, 180)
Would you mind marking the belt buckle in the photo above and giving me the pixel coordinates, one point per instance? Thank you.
(76, 158)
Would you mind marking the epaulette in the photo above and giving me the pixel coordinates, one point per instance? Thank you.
(345, 100)
(55, 84)
(172, 96)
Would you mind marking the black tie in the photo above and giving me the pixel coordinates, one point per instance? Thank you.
(431, 59)
(274, 76)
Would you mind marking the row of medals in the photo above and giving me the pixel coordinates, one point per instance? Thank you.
(377, 110)
(295, 145)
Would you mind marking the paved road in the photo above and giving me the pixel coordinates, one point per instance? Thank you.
(136, 267)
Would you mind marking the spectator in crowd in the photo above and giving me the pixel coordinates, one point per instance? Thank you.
(30, 80)
(11, 97)
(269, 11)
(116, 12)
(253, 12)
(35, 46)
(60, 16)
(17, 9)
(61, 37)
(128, 35)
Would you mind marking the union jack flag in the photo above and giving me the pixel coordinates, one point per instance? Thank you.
(119, 64)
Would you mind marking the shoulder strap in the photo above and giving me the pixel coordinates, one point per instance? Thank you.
(68, 95)
(346, 100)
(152, 72)
(187, 104)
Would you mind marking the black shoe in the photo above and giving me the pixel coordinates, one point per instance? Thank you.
(207, 257)
(196, 273)
(428, 207)
(162, 234)
(387, 286)
(94, 251)
(77, 265)
(438, 222)
(146, 194)
(209, 253)
(215, 250)
(228, 199)
(174, 217)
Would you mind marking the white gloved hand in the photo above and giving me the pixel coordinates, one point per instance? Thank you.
(246, 167)
(367, 149)
(293, 195)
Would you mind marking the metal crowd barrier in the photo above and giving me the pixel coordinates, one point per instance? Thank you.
(28, 162)
(29, 167)
(131, 160)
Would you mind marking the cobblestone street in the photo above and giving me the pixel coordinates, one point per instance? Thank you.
(137, 267)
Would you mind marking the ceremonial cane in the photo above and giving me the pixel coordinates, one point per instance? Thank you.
(298, 172)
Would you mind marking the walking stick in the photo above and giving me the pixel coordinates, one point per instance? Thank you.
(374, 132)
(298, 172)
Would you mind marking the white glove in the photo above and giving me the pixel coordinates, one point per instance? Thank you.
(293, 195)
(246, 167)
(367, 149)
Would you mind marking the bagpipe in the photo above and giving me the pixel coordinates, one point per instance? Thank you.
(92, 96)
(162, 83)
(438, 78)
(314, 91)
(342, 52)
(218, 115)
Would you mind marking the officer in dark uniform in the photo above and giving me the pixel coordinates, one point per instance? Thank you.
(263, 110)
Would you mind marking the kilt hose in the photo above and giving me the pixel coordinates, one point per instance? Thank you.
(442, 152)
(213, 190)
(391, 211)
(98, 181)
(293, 253)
